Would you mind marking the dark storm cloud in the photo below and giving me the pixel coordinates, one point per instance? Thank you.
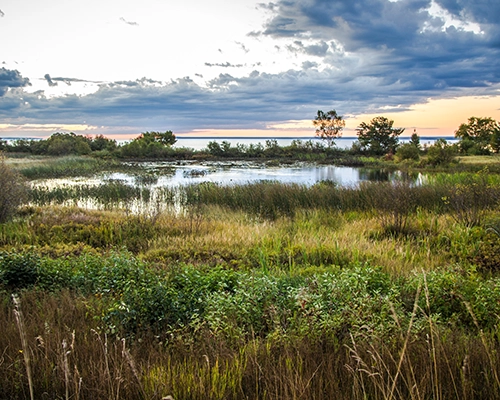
(11, 79)
(482, 11)
(395, 36)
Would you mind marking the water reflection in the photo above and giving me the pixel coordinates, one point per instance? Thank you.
(381, 175)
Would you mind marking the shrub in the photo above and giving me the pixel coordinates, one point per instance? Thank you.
(470, 198)
(408, 151)
(19, 270)
(440, 153)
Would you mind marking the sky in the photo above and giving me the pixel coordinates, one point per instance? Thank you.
(246, 67)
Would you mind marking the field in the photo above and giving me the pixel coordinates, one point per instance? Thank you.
(258, 291)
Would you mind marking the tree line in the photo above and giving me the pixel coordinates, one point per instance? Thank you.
(479, 136)
(379, 137)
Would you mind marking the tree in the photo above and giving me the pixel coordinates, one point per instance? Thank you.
(100, 143)
(479, 136)
(166, 138)
(415, 139)
(378, 137)
(410, 150)
(150, 145)
(61, 144)
(329, 126)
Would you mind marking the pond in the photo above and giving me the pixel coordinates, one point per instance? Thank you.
(161, 174)
(146, 185)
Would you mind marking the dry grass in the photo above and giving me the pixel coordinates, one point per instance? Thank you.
(480, 160)
(72, 359)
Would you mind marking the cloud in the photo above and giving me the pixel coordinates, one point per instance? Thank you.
(182, 105)
(68, 81)
(423, 44)
(367, 56)
(11, 79)
(224, 65)
(243, 47)
(309, 65)
(49, 80)
(129, 22)
(2, 14)
(318, 49)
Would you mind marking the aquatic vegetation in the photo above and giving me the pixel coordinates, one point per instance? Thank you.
(69, 167)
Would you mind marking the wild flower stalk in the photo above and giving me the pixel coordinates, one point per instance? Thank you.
(22, 332)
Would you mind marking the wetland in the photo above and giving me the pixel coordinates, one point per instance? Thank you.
(229, 279)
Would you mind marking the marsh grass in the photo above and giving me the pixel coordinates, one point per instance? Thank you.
(62, 167)
(106, 195)
(13, 191)
(217, 236)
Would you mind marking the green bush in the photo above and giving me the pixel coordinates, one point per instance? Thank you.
(408, 151)
(19, 270)
(440, 153)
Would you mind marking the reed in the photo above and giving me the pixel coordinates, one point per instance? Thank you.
(25, 348)
(62, 167)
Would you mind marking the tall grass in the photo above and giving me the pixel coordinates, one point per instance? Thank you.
(105, 194)
(355, 333)
(68, 167)
(13, 191)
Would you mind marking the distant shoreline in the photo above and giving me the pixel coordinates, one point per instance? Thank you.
(298, 137)
(180, 136)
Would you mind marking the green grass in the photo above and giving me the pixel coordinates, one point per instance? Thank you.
(60, 167)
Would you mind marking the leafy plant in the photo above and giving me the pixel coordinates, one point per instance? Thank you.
(19, 270)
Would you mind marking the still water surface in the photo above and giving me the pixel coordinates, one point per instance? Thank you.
(165, 174)
(157, 179)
